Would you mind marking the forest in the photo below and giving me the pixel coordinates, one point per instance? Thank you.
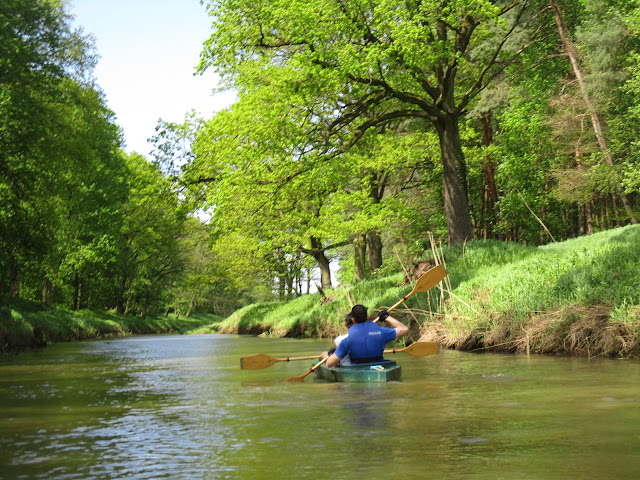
(363, 134)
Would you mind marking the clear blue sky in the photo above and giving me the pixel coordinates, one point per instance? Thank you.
(149, 51)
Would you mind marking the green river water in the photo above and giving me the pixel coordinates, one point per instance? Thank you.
(179, 407)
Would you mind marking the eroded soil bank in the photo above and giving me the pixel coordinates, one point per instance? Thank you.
(577, 330)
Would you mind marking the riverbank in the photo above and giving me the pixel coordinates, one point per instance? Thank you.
(578, 297)
(25, 324)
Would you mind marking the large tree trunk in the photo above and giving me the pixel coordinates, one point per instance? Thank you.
(359, 256)
(75, 302)
(572, 53)
(145, 305)
(120, 300)
(323, 262)
(456, 205)
(375, 251)
(487, 137)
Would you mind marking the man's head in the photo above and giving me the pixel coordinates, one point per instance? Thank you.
(348, 321)
(359, 313)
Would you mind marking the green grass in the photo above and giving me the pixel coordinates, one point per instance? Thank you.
(310, 315)
(597, 269)
(561, 297)
(25, 324)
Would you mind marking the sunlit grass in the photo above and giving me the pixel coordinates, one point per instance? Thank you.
(602, 268)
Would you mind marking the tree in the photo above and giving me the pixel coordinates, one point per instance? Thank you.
(153, 222)
(53, 126)
(368, 64)
(596, 120)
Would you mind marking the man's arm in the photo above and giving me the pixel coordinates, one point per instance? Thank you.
(333, 360)
(400, 328)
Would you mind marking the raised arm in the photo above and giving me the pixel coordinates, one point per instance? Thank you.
(400, 328)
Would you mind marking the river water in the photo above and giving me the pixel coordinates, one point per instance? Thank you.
(179, 407)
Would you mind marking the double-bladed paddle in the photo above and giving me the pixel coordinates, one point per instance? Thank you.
(427, 281)
(262, 360)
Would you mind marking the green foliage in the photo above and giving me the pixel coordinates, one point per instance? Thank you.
(354, 119)
(25, 324)
(344, 69)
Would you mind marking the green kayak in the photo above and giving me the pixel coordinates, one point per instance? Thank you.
(382, 371)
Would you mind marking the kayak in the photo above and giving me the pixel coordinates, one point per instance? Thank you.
(382, 371)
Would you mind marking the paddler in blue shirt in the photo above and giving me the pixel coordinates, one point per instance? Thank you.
(366, 340)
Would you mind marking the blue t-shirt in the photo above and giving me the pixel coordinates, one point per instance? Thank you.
(365, 340)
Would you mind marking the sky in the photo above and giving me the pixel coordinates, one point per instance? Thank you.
(149, 51)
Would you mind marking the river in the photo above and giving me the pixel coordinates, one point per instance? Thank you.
(179, 407)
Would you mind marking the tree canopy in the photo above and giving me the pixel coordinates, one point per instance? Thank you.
(362, 131)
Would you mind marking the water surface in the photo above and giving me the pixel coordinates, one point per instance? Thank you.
(179, 407)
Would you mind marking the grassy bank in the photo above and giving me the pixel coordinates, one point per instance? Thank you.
(25, 324)
(579, 297)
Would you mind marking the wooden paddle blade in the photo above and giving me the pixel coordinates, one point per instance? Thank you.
(299, 378)
(258, 361)
(422, 349)
(261, 360)
(418, 349)
(430, 279)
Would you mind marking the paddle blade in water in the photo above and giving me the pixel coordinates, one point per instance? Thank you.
(422, 349)
(258, 361)
(299, 378)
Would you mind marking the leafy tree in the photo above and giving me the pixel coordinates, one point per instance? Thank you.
(54, 125)
(153, 222)
(624, 109)
(368, 64)
(571, 51)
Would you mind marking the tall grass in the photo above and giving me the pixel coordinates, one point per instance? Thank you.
(561, 297)
(597, 269)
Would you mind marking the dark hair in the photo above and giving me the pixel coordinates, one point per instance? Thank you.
(348, 320)
(359, 313)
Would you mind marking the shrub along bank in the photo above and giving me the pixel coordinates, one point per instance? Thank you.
(25, 324)
(581, 296)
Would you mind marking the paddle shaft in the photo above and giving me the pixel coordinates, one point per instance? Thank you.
(300, 378)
